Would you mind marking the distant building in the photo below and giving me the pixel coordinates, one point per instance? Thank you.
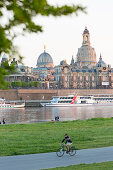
(85, 72)
(22, 73)
(44, 70)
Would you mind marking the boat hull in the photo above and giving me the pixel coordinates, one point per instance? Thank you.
(66, 105)
(12, 106)
(76, 105)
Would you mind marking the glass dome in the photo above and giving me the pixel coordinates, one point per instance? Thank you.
(44, 59)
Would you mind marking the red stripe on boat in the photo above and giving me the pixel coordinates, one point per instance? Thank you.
(73, 99)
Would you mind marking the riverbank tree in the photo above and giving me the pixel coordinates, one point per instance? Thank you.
(22, 84)
(21, 14)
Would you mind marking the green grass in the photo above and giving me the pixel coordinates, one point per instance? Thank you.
(94, 166)
(19, 139)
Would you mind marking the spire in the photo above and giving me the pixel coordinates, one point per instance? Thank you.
(72, 60)
(100, 56)
(44, 48)
(86, 37)
(65, 61)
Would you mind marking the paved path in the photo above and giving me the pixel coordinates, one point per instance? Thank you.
(50, 160)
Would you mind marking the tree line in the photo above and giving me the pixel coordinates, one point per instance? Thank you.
(22, 84)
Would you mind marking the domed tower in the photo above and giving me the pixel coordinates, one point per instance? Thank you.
(45, 60)
(101, 63)
(86, 55)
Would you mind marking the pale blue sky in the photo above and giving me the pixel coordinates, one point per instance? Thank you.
(63, 35)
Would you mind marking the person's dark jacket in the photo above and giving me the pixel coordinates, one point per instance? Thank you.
(67, 139)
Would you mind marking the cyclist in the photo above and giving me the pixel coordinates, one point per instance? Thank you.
(68, 142)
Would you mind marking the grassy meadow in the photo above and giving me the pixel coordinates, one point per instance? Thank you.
(94, 166)
(18, 139)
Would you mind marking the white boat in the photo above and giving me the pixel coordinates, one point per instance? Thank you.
(3, 104)
(74, 101)
(70, 101)
(103, 98)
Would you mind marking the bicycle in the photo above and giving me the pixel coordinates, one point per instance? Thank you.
(60, 152)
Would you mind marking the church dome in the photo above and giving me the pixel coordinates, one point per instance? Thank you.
(44, 59)
(86, 54)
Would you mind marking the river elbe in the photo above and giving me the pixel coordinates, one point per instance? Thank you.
(43, 114)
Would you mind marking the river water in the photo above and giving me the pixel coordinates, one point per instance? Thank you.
(43, 114)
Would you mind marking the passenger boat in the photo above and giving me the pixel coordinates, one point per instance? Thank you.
(70, 100)
(74, 101)
(103, 98)
(3, 104)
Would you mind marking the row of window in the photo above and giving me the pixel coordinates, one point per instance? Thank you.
(85, 97)
(84, 78)
(66, 97)
(103, 98)
(64, 101)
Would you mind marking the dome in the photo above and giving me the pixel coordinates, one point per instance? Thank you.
(44, 59)
(86, 55)
(62, 62)
(101, 63)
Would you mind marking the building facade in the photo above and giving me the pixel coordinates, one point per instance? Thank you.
(86, 72)
(22, 73)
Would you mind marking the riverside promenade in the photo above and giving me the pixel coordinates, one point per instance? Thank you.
(50, 160)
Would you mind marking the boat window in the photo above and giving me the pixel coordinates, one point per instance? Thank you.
(55, 100)
(103, 98)
(65, 98)
(83, 101)
(70, 97)
(85, 97)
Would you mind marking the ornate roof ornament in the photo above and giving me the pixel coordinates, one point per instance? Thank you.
(65, 61)
(86, 31)
(44, 48)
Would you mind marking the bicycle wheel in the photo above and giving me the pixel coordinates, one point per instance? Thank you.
(72, 151)
(60, 152)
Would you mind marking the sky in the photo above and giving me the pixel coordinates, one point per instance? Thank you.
(63, 35)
